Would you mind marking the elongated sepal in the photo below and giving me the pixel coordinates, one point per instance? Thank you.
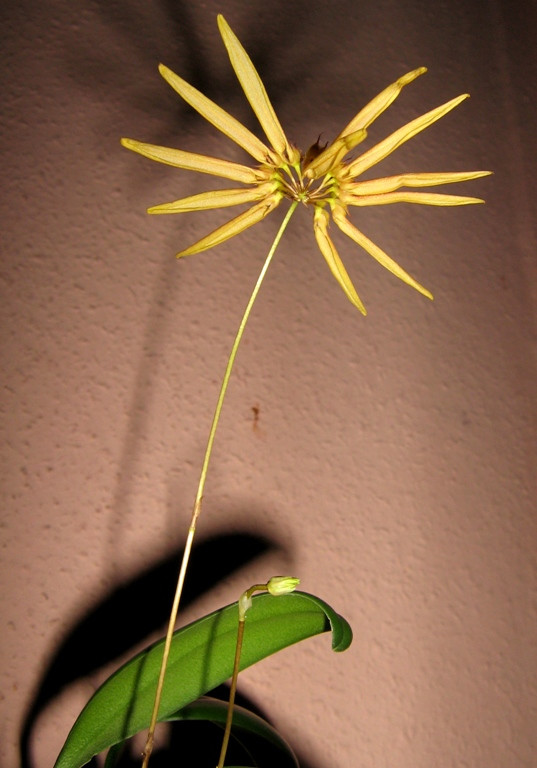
(403, 134)
(373, 250)
(376, 106)
(405, 196)
(326, 246)
(221, 119)
(392, 183)
(234, 227)
(219, 198)
(190, 161)
(255, 92)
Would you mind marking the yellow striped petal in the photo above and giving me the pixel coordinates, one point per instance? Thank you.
(334, 154)
(423, 198)
(391, 183)
(220, 198)
(326, 246)
(255, 92)
(218, 117)
(377, 253)
(234, 227)
(376, 107)
(388, 145)
(189, 161)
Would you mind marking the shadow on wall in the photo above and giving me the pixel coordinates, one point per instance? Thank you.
(117, 624)
(143, 34)
(283, 39)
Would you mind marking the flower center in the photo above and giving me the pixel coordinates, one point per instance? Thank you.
(293, 185)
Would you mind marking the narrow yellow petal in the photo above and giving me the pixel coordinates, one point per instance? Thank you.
(234, 227)
(381, 102)
(220, 198)
(221, 119)
(190, 161)
(377, 253)
(333, 154)
(391, 183)
(255, 92)
(423, 198)
(388, 145)
(326, 246)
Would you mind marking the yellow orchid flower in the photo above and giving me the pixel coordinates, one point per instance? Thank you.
(320, 178)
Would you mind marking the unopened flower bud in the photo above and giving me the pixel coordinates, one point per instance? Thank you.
(282, 585)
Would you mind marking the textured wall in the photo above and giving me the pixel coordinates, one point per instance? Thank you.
(392, 463)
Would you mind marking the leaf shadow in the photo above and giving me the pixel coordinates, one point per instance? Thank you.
(132, 612)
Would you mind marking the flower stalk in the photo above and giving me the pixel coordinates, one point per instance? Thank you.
(201, 485)
(277, 585)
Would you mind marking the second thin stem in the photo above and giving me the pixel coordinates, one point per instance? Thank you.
(201, 485)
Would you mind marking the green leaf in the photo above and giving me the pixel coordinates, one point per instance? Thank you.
(215, 711)
(201, 658)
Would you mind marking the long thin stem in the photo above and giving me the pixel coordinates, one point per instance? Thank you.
(245, 602)
(232, 692)
(201, 486)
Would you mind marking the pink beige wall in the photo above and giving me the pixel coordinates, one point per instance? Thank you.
(393, 461)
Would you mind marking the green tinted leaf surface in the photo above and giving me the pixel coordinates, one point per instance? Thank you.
(201, 658)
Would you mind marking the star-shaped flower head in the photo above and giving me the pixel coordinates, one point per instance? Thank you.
(320, 178)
